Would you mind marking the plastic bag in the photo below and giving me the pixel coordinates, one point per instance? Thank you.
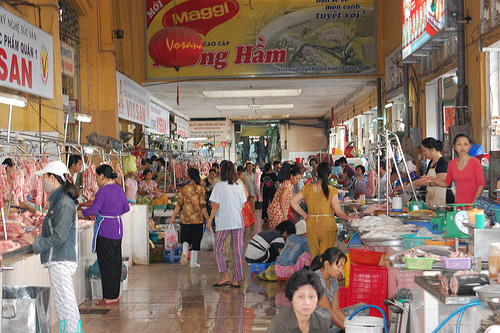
(247, 214)
(207, 241)
(129, 164)
(171, 239)
(95, 274)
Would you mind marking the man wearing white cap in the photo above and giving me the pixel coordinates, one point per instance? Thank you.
(295, 254)
(57, 245)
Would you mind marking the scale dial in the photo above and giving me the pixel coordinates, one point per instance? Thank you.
(460, 220)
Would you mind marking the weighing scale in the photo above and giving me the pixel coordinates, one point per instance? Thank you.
(455, 222)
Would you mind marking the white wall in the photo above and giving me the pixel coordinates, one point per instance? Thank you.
(302, 138)
(431, 107)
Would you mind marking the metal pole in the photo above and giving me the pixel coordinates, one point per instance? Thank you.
(40, 123)
(66, 121)
(10, 123)
(379, 106)
(406, 94)
(461, 93)
(79, 130)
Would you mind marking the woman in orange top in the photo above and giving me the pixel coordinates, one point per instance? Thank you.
(323, 204)
(279, 209)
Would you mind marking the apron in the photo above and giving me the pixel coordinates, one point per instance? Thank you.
(436, 195)
(97, 224)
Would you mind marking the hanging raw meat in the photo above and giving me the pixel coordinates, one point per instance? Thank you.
(8, 246)
(29, 175)
(14, 230)
(119, 172)
(4, 185)
(90, 187)
(17, 181)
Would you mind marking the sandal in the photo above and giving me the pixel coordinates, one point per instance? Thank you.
(221, 284)
(234, 285)
(104, 302)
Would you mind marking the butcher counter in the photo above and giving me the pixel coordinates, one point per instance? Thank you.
(28, 271)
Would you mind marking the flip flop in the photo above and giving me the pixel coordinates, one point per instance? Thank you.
(223, 284)
(235, 285)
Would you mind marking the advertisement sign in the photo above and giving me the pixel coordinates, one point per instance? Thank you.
(208, 129)
(268, 38)
(182, 127)
(159, 120)
(26, 57)
(132, 100)
(67, 59)
(422, 19)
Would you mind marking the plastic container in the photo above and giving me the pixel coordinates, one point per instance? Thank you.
(494, 260)
(446, 242)
(368, 284)
(364, 324)
(362, 199)
(496, 209)
(397, 204)
(412, 240)
(365, 256)
(153, 236)
(343, 297)
(258, 268)
(424, 264)
(456, 263)
(422, 224)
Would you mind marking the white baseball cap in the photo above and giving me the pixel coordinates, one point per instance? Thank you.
(300, 227)
(56, 167)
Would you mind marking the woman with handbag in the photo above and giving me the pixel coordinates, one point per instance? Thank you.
(228, 198)
(109, 204)
(279, 209)
(192, 202)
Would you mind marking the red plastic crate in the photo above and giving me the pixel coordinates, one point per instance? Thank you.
(343, 297)
(368, 284)
(365, 256)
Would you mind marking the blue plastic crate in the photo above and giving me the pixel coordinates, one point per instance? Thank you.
(258, 268)
(172, 255)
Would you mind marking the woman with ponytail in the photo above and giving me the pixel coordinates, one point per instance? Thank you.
(323, 204)
(109, 204)
(328, 267)
(58, 243)
(279, 209)
(437, 167)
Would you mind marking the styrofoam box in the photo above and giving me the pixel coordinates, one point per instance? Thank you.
(97, 289)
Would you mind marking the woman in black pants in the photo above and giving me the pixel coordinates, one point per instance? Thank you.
(268, 185)
(109, 204)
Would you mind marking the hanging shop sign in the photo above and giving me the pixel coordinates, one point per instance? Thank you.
(67, 59)
(423, 20)
(394, 74)
(223, 144)
(209, 129)
(26, 57)
(132, 100)
(159, 120)
(182, 127)
(268, 38)
(197, 145)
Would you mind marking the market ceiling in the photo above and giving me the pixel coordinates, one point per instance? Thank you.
(315, 100)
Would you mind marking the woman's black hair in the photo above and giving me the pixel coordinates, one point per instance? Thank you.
(337, 163)
(161, 160)
(287, 226)
(313, 159)
(430, 143)
(215, 166)
(342, 160)
(8, 162)
(228, 172)
(145, 172)
(324, 172)
(303, 278)
(461, 135)
(212, 170)
(107, 171)
(240, 168)
(71, 190)
(194, 174)
(267, 167)
(293, 171)
(362, 168)
(333, 255)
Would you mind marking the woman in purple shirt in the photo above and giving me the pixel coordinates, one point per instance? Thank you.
(109, 204)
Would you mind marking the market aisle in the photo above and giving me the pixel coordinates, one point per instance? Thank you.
(164, 297)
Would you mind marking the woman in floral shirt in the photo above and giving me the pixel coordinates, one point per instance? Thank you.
(148, 186)
(192, 202)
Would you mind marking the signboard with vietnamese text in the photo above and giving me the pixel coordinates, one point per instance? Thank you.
(67, 59)
(132, 100)
(422, 19)
(209, 129)
(159, 120)
(268, 38)
(26, 56)
(182, 127)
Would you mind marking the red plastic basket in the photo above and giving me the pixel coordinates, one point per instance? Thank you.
(343, 297)
(368, 284)
(365, 256)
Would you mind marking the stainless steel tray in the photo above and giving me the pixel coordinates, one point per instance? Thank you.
(382, 242)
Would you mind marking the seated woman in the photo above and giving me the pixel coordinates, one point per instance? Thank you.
(295, 255)
(303, 289)
(396, 183)
(358, 182)
(328, 266)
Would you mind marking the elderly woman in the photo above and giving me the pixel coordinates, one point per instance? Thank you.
(303, 289)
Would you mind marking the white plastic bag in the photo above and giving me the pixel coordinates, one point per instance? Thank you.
(207, 241)
(171, 239)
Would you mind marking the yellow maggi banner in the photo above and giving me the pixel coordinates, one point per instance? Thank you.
(267, 38)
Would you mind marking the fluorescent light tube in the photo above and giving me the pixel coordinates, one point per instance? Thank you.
(13, 100)
(254, 107)
(252, 93)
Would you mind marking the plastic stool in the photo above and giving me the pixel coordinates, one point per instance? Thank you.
(258, 268)
(281, 279)
(172, 255)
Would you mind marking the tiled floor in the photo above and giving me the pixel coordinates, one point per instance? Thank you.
(164, 297)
